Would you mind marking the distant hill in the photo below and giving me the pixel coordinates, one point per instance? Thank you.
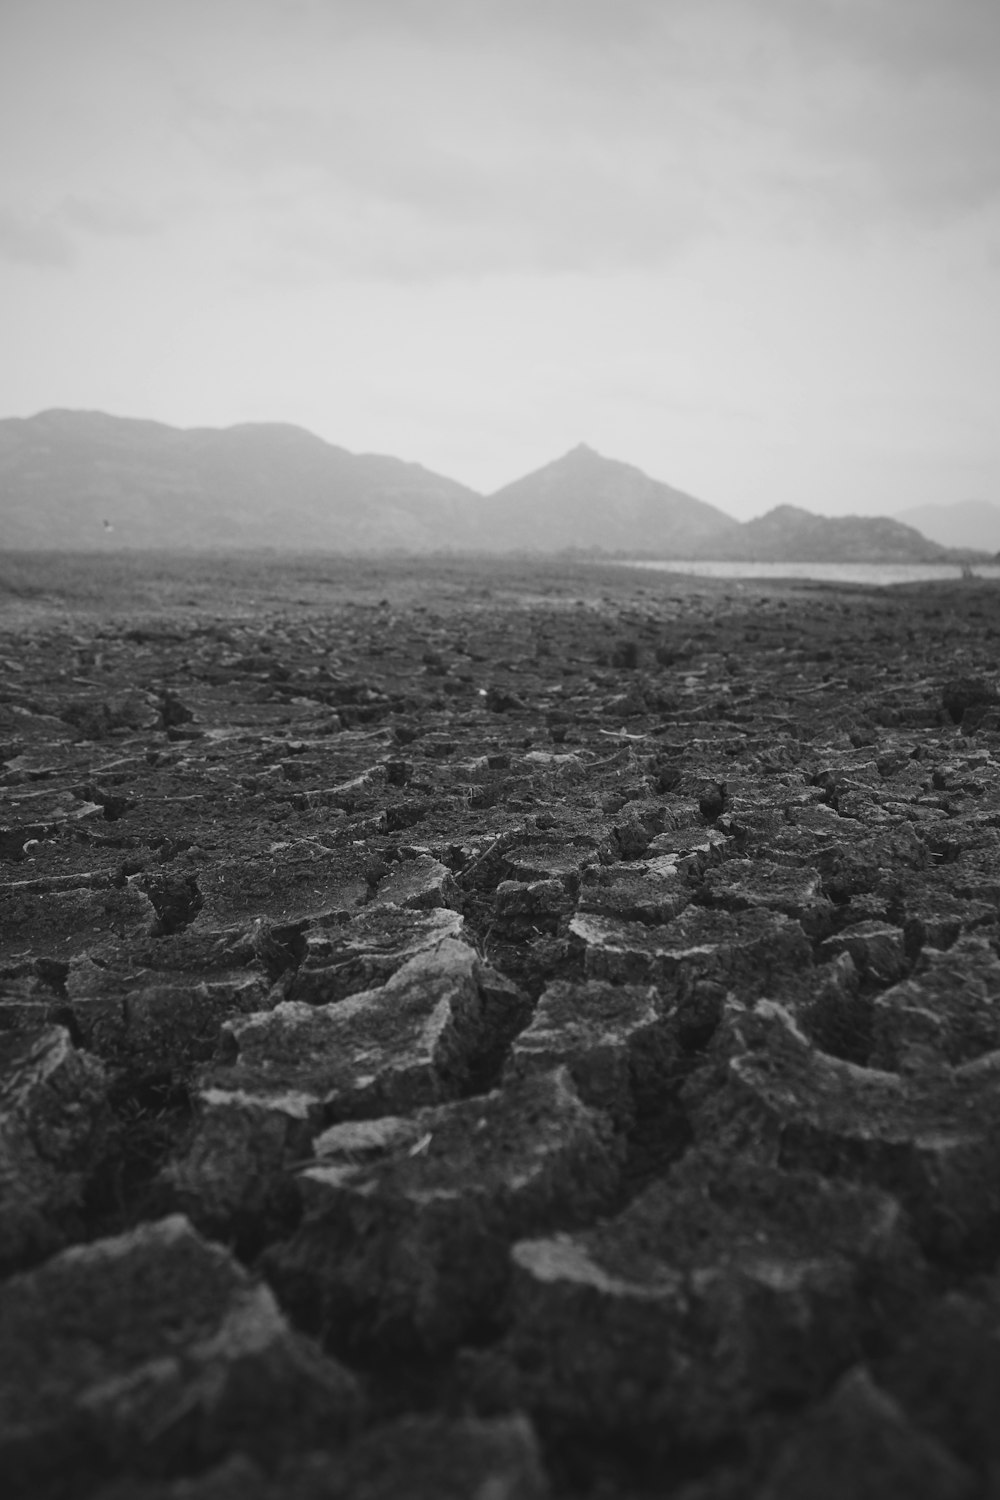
(76, 480)
(586, 501)
(84, 480)
(788, 534)
(967, 523)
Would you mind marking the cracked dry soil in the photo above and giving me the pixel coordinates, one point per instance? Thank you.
(497, 1031)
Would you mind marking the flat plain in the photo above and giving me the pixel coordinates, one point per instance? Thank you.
(496, 1029)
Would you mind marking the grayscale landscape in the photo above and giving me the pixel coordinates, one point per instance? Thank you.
(499, 750)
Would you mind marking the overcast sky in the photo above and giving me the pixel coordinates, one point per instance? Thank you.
(752, 246)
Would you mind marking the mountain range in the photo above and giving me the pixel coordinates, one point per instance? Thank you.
(73, 480)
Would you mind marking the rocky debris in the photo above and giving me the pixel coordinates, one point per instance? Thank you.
(355, 857)
(54, 1129)
(408, 1221)
(720, 1288)
(154, 1352)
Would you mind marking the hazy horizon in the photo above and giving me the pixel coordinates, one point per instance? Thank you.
(968, 507)
(750, 247)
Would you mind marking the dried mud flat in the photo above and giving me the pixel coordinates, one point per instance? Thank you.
(497, 1032)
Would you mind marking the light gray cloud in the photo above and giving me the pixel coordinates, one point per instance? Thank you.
(52, 240)
(35, 241)
(902, 37)
(429, 138)
(107, 218)
(443, 137)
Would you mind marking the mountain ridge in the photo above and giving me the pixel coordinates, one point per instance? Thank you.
(598, 502)
(87, 480)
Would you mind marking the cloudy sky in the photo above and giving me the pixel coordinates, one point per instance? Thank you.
(752, 246)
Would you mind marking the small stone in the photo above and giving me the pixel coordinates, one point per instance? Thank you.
(500, 701)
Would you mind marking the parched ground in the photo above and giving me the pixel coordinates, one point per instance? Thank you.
(496, 1031)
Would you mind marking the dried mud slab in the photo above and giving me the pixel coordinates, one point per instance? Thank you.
(612, 1038)
(719, 1288)
(411, 1042)
(931, 1137)
(54, 1126)
(517, 1030)
(151, 1352)
(408, 1221)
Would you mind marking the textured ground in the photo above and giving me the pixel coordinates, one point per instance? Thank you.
(497, 1032)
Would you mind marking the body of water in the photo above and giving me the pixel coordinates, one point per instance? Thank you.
(880, 574)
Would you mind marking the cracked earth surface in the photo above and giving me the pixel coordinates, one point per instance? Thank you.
(498, 1032)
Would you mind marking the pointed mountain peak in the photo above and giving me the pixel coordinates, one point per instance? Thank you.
(583, 456)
